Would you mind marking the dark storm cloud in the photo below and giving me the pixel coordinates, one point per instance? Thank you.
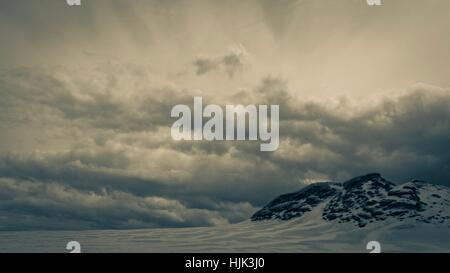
(231, 63)
(62, 206)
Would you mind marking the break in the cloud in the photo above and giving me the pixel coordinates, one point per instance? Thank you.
(231, 63)
(90, 149)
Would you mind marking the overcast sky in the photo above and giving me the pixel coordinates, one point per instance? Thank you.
(86, 94)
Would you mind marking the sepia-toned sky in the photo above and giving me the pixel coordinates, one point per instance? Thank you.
(86, 94)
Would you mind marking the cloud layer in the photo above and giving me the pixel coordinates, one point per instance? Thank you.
(101, 154)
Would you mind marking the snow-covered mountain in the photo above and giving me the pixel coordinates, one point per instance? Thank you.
(364, 200)
(323, 217)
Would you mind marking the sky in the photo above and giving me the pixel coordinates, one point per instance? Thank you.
(86, 94)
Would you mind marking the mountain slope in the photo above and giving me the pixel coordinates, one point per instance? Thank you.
(364, 200)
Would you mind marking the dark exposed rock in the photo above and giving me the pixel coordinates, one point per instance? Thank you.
(296, 204)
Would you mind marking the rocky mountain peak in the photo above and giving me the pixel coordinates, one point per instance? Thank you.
(363, 200)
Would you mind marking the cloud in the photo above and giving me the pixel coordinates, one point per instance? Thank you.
(231, 63)
(29, 202)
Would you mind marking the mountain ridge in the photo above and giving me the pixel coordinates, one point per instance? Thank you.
(364, 200)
